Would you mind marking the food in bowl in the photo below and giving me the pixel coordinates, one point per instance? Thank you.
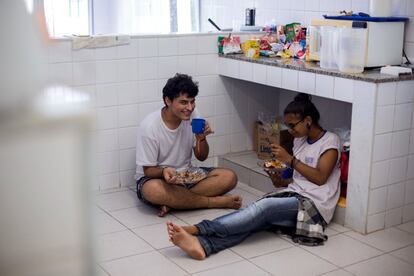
(190, 175)
(274, 164)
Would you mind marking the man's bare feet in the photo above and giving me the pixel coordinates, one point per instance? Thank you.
(236, 202)
(226, 201)
(188, 243)
(163, 210)
(191, 229)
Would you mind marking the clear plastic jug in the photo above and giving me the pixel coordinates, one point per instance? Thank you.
(352, 50)
(328, 48)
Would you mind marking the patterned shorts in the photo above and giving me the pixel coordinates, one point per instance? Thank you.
(144, 179)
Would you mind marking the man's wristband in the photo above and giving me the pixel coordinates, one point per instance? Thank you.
(292, 162)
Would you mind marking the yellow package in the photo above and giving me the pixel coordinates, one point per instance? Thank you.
(251, 48)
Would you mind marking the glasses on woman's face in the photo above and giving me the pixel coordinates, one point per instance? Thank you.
(293, 125)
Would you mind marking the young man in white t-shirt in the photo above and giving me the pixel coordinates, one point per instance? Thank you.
(165, 144)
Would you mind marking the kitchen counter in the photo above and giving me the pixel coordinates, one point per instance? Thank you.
(371, 75)
(382, 126)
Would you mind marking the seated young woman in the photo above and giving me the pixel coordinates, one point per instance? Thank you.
(305, 203)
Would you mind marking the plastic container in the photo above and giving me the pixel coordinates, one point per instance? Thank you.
(380, 8)
(352, 50)
(328, 47)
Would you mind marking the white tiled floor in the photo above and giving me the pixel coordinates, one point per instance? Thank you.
(132, 240)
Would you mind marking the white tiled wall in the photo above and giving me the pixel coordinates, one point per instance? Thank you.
(286, 83)
(282, 12)
(126, 82)
(391, 196)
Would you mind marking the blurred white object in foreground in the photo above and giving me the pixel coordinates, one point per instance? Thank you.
(22, 70)
(44, 160)
(45, 182)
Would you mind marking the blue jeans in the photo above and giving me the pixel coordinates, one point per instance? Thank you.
(231, 229)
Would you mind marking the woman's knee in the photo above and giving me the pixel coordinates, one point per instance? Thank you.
(277, 203)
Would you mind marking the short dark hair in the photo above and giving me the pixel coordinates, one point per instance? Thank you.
(179, 84)
(303, 106)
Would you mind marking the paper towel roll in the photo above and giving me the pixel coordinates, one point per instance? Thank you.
(380, 8)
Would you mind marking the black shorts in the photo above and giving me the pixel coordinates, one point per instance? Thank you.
(144, 179)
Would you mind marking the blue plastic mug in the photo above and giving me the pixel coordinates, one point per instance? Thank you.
(198, 125)
(287, 173)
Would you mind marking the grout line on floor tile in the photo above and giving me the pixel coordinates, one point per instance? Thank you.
(103, 269)
(395, 256)
(171, 260)
(119, 258)
(267, 253)
(326, 273)
(370, 245)
(397, 228)
(109, 191)
(370, 258)
(123, 208)
(304, 247)
(109, 233)
(127, 226)
(222, 265)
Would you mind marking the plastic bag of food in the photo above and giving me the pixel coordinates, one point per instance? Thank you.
(251, 48)
(231, 45)
(266, 41)
(292, 31)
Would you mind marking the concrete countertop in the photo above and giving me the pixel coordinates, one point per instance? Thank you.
(369, 75)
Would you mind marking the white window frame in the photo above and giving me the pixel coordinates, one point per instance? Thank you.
(92, 23)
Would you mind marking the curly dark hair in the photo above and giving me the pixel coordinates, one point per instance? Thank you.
(303, 106)
(179, 84)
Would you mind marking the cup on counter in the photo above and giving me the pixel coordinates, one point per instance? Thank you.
(198, 125)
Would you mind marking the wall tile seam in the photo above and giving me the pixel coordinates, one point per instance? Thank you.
(378, 212)
(374, 189)
(399, 156)
(408, 155)
(387, 210)
(133, 103)
(113, 60)
(204, 75)
(62, 62)
(106, 174)
(382, 105)
(119, 149)
(392, 131)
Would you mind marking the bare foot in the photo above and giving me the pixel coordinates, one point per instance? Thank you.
(163, 210)
(188, 243)
(226, 201)
(192, 230)
(235, 202)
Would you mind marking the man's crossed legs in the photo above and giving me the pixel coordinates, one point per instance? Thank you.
(208, 193)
